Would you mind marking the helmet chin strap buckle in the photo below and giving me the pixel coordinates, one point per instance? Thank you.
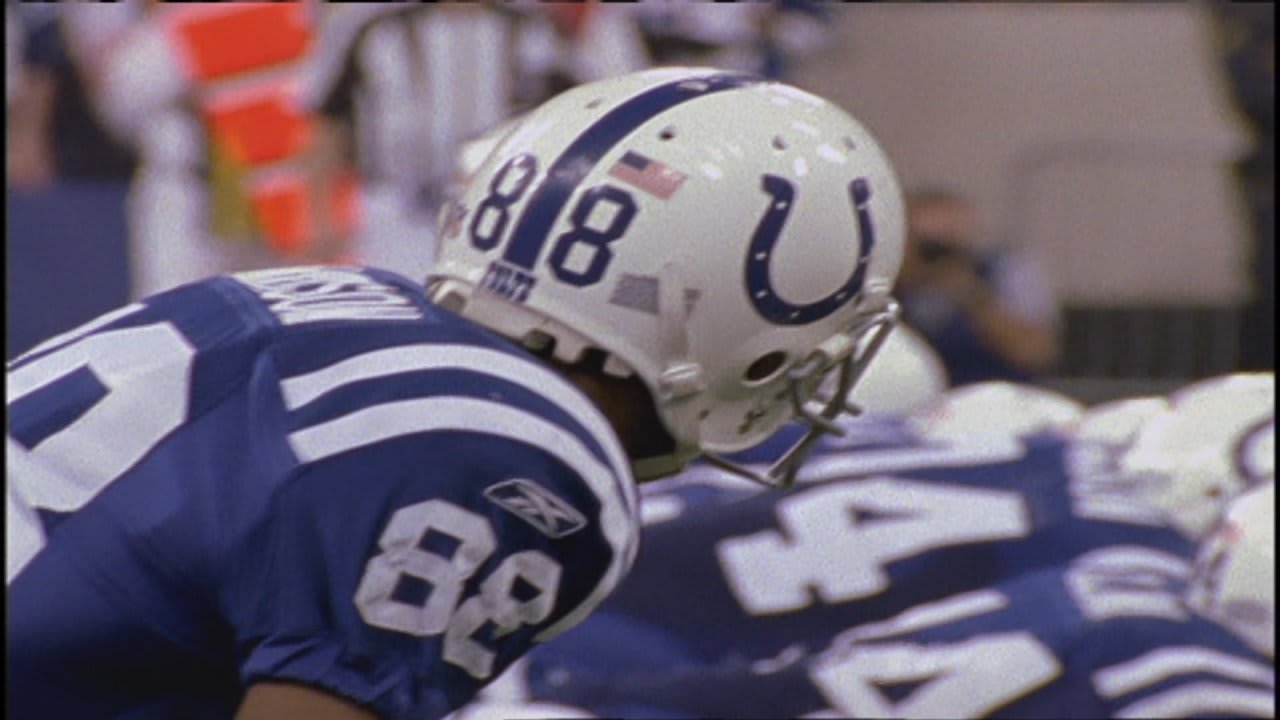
(782, 474)
(680, 380)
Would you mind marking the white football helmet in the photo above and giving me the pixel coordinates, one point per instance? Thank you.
(473, 152)
(907, 376)
(1213, 441)
(1116, 424)
(998, 408)
(728, 239)
(1235, 578)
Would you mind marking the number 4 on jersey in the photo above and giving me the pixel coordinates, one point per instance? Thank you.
(957, 679)
(822, 543)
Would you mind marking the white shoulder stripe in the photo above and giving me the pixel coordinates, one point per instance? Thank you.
(1158, 665)
(403, 417)
(302, 389)
(1204, 698)
(921, 617)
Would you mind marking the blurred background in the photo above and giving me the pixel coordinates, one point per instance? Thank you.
(1091, 184)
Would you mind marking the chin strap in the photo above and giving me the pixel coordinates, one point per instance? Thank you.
(782, 474)
(660, 466)
(681, 379)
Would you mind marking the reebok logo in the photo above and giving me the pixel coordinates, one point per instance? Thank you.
(537, 506)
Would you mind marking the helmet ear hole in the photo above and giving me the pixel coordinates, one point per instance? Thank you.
(667, 133)
(764, 367)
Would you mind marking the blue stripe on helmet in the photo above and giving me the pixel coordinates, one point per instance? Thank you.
(577, 160)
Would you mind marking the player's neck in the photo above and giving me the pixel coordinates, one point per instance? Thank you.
(628, 406)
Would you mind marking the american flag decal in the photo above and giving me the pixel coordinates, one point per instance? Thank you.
(648, 175)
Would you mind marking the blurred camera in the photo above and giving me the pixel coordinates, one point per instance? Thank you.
(937, 249)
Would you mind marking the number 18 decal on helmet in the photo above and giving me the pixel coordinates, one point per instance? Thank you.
(729, 240)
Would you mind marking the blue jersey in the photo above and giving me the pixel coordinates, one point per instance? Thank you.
(1104, 636)
(881, 520)
(309, 474)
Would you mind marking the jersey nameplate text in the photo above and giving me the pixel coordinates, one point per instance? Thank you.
(303, 295)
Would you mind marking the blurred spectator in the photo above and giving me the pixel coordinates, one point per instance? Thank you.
(593, 40)
(1246, 43)
(29, 126)
(400, 87)
(67, 180)
(61, 133)
(989, 313)
(759, 37)
(13, 43)
(207, 93)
